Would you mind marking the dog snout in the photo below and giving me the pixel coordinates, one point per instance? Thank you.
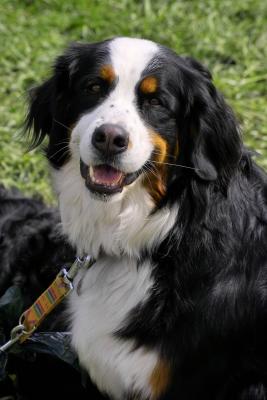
(110, 139)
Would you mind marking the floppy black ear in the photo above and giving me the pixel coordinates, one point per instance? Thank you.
(39, 119)
(214, 130)
(45, 101)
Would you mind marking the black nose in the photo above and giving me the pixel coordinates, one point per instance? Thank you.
(110, 139)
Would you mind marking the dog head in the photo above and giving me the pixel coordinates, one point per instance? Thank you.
(129, 107)
(129, 113)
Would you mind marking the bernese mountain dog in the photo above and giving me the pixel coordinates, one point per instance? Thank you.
(154, 183)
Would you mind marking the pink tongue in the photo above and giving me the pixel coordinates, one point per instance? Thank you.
(106, 174)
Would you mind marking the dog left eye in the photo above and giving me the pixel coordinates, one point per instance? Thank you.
(154, 101)
(93, 88)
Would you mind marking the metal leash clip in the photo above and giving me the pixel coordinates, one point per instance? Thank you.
(80, 262)
(31, 318)
(15, 336)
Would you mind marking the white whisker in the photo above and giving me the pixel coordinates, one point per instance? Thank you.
(60, 143)
(150, 170)
(60, 123)
(161, 154)
(175, 165)
(63, 148)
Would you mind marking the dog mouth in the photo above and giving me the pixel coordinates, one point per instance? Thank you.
(105, 179)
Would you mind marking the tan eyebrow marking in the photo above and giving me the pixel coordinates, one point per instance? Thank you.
(149, 85)
(107, 73)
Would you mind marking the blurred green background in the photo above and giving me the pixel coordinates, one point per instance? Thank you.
(230, 37)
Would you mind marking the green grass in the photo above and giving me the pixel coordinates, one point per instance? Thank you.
(229, 37)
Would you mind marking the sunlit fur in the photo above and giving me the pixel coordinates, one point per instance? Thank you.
(175, 305)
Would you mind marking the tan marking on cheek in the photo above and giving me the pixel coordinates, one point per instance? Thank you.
(149, 85)
(160, 379)
(155, 179)
(107, 73)
(160, 146)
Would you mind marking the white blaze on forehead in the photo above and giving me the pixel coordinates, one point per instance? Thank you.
(129, 58)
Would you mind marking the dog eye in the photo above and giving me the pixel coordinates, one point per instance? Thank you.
(154, 101)
(93, 88)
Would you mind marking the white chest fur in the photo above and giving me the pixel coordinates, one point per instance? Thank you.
(109, 290)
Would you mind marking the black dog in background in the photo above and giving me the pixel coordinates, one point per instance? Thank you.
(32, 251)
(31, 247)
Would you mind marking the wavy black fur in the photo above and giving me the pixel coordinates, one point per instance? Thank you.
(32, 247)
(32, 251)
